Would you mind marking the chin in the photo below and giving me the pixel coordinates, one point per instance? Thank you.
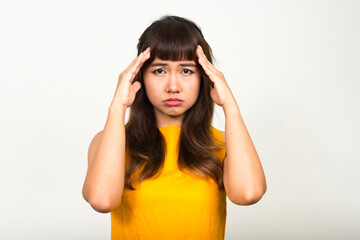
(173, 112)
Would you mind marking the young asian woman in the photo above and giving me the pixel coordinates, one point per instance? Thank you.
(165, 174)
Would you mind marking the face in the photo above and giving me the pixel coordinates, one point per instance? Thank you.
(172, 87)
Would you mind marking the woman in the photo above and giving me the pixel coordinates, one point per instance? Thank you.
(165, 174)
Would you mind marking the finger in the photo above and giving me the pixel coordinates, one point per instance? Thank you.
(145, 56)
(140, 59)
(206, 65)
(204, 59)
(134, 61)
(136, 64)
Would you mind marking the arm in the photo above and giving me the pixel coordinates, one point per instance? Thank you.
(104, 182)
(244, 179)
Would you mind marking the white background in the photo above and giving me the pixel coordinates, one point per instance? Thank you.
(293, 67)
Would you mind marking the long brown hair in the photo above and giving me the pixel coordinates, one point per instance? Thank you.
(173, 38)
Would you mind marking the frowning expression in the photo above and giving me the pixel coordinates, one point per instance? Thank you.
(172, 86)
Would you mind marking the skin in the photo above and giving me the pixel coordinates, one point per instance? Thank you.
(171, 79)
(244, 178)
(104, 182)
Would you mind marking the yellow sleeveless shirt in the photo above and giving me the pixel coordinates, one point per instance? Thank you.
(174, 205)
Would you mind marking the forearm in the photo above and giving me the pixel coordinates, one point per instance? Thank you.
(245, 175)
(105, 177)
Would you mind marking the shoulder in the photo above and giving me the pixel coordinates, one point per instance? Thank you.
(218, 134)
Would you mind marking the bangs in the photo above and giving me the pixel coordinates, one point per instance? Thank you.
(173, 42)
(173, 39)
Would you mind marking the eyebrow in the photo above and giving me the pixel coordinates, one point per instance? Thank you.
(181, 64)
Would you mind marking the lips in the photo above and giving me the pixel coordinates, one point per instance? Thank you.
(173, 102)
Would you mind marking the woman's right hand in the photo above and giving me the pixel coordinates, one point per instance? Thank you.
(126, 91)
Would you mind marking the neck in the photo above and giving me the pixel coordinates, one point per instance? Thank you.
(165, 120)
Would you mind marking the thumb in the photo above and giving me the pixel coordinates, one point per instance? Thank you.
(136, 86)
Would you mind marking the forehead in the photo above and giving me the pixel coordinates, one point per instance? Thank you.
(160, 62)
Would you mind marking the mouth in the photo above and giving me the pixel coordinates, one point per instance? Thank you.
(173, 102)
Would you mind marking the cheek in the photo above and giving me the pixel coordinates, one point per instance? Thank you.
(151, 90)
(197, 85)
(147, 83)
(194, 89)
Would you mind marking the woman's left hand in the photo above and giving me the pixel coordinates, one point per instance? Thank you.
(221, 93)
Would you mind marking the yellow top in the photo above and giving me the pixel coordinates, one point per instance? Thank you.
(174, 205)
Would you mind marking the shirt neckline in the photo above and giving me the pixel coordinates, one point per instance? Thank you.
(170, 126)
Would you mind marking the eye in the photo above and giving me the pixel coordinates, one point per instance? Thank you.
(188, 71)
(158, 71)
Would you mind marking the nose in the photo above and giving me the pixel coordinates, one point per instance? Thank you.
(173, 84)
